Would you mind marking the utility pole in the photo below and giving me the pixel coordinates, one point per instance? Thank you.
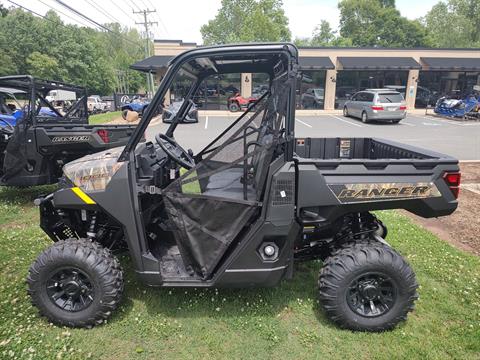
(147, 23)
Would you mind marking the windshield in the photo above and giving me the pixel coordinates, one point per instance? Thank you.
(390, 98)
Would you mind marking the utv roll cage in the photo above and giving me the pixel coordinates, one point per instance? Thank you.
(210, 60)
(37, 90)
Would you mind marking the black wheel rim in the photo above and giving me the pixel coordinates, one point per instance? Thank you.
(371, 295)
(70, 289)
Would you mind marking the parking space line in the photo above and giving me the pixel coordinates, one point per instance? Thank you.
(345, 121)
(437, 120)
(304, 123)
(206, 122)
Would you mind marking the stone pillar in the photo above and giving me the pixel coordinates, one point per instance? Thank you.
(330, 89)
(246, 85)
(411, 90)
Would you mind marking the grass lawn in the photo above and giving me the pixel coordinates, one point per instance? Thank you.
(279, 323)
(103, 118)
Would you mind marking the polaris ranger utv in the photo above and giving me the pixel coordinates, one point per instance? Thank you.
(38, 136)
(240, 212)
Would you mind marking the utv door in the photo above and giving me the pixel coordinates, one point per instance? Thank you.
(211, 203)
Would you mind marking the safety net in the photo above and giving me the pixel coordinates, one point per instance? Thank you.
(212, 202)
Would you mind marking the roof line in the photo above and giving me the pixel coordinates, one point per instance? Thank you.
(383, 48)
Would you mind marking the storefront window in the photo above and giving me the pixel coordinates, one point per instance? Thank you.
(350, 82)
(215, 91)
(260, 84)
(311, 89)
(433, 85)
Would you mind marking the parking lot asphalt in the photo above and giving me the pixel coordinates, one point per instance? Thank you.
(456, 138)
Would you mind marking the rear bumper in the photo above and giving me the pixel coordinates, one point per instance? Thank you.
(387, 115)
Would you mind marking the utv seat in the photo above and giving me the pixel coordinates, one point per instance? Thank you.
(229, 183)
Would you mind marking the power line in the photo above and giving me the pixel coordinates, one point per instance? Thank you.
(103, 11)
(66, 15)
(82, 15)
(118, 7)
(94, 22)
(134, 5)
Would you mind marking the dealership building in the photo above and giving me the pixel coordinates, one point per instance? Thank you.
(330, 75)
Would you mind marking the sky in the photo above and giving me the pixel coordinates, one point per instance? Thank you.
(182, 19)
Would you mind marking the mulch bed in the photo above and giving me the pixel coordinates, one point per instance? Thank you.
(462, 228)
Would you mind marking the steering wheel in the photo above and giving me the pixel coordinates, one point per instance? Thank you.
(175, 151)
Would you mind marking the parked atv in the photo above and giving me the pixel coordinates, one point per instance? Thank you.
(37, 138)
(240, 212)
(238, 102)
(138, 105)
(459, 108)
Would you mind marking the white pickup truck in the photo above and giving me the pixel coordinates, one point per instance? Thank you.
(96, 105)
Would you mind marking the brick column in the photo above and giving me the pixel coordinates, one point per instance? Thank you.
(246, 85)
(411, 90)
(330, 89)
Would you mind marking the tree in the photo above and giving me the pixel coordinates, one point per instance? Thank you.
(323, 35)
(50, 49)
(454, 24)
(246, 21)
(379, 23)
(43, 66)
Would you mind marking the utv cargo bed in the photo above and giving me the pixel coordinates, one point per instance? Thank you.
(371, 173)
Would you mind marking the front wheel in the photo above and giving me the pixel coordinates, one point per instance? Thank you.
(367, 286)
(233, 106)
(345, 111)
(76, 283)
(124, 114)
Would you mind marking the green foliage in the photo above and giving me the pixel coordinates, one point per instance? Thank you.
(323, 35)
(50, 49)
(379, 23)
(285, 322)
(454, 24)
(247, 21)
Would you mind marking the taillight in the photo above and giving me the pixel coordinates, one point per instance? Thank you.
(376, 107)
(403, 107)
(453, 181)
(104, 135)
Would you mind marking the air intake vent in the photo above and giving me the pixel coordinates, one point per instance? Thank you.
(283, 192)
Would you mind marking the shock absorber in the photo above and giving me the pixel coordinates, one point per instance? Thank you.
(91, 232)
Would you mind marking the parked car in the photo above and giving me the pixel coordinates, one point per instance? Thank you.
(169, 114)
(96, 105)
(384, 105)
(37, 140)
(313, 98)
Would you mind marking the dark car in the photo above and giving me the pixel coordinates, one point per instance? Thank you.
(169, 114)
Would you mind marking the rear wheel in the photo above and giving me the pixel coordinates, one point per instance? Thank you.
(364, 117)
(396, 121)
(76, 283)
(345, 111)
(367, 286)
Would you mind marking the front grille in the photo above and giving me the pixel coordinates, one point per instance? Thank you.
(283, 192)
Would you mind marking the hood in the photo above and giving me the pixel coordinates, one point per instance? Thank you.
(94, 172)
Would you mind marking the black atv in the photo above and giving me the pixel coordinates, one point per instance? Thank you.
(37, 137)
(240, 212)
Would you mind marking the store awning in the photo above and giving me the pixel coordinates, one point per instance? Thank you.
(153, 63)
(378, 63)
(315, 62)
(465, 64)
